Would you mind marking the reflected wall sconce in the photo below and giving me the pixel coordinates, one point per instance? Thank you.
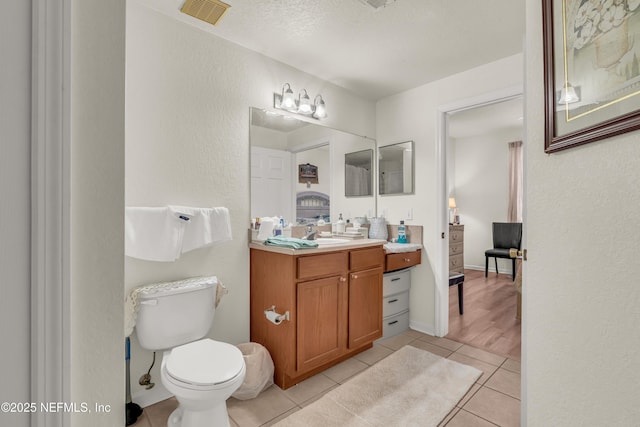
(303, 105)
(569, 94)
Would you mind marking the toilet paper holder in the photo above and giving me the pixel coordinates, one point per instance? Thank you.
(275, 317)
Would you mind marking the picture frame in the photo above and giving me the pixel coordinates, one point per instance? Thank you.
(591, 70)
(307, 173)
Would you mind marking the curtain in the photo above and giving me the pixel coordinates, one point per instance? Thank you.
(515, 182)
(357, 181)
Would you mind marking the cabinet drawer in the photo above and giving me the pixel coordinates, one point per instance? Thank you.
(456, 263)
(455, 236)
(456, 248)
(322, 265)
(395, 304)
(366, 258)
(395, 325)
(396, 282)
(403, 260)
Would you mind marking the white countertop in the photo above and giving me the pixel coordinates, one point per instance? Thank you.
(354, 244)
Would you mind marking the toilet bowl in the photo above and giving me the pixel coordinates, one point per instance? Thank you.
(202, 375)
(175, 317)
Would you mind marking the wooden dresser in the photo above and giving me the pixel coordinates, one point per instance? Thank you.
(456, 248)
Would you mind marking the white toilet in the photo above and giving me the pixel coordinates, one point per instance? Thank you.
(201, 373)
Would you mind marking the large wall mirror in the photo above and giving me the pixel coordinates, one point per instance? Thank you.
(396, 168)
(280, 144)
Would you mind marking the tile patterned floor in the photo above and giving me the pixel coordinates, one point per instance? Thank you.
(493, 401)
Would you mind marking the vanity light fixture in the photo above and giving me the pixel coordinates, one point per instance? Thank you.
(287, 102)
(303, 105)
(320, 109)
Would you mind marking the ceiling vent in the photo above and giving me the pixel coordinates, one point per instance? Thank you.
(205, 10)
(377, 4)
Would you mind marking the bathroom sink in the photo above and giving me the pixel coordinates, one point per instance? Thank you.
(330, 241)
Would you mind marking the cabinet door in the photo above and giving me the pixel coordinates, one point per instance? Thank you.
(322, 316)
(365, 307)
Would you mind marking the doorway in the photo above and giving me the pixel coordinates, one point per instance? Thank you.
(472, 111)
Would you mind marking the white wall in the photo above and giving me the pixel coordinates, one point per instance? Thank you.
(96, 211)
(412, 115)
(581, 298)
(481, 187)
(15, 217)
(187, 142)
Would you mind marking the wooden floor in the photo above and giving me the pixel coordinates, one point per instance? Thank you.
(489, 320)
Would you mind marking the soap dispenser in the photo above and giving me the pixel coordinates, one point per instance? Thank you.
(340, 225)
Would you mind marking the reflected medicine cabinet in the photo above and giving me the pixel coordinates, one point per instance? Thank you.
(396, 168)
(358, 173)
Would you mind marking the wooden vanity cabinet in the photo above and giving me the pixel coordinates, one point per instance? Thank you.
(334, 301)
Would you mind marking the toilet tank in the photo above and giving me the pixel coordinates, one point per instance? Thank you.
(175, 313)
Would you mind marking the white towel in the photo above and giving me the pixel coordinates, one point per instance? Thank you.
(206, 226)
(153, 234)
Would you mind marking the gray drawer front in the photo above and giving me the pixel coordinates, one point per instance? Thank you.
(395, 304)
(395, 325)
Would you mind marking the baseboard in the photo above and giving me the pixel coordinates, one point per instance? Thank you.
(422, 327)
(491, 269)
(146, 398)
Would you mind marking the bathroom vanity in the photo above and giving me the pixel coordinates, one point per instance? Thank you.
(333, 295)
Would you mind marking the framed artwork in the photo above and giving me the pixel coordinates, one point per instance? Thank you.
(591, 70)
(307, 173)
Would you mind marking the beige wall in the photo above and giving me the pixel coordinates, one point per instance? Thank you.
(412, 116)
(187, 143)
(581, 299)
(15, 217)
(97, 204)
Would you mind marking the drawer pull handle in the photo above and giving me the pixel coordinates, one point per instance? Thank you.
(397, 278)
(393, 300)
(343, 279)
(354, 276)
(392, 323)
(407, 259)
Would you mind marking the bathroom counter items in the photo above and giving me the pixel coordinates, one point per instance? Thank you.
(352, 244)
(333, 295)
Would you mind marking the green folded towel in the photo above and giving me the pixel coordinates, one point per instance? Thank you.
(290, 242)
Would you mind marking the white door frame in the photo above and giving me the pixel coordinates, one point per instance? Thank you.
(442, 136)
(50, 201)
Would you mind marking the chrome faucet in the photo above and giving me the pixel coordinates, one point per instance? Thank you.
(311, 235)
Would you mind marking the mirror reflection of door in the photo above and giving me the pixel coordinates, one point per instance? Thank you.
(271, 183)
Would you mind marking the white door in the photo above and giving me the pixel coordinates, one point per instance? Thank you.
(271, 183)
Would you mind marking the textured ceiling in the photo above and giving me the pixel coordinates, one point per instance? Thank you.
(373, 53)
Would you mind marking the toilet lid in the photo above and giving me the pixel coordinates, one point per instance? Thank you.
(205, 362)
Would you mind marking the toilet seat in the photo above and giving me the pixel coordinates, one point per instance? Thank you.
(204, 364)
